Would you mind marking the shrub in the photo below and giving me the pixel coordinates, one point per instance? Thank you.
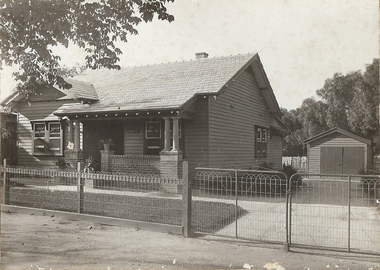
(62, 164)
(289, 170)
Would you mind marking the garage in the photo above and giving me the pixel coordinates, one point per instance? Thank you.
(337, 151)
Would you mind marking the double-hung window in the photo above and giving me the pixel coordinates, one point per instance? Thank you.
(47, 138)
(261, 142)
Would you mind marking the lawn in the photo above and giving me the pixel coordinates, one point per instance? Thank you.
(142, 208)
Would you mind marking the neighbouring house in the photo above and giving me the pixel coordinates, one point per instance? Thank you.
(8, 138)
(212, 112)
(337, 151)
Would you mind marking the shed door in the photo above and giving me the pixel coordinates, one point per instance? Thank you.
(331, 160)
(353, 159)
(342, 160)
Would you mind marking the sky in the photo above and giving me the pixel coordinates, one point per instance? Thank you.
(301, 43)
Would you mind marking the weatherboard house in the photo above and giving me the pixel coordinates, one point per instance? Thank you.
(212, 112)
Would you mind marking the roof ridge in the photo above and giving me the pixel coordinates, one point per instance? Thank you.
(191, 60)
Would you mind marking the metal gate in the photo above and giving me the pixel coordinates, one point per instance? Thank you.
(244, 204)
(339, 212)
(336, 212)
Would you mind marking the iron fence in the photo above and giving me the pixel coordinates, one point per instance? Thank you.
(251, 204)
(339, 212)
(128, 196)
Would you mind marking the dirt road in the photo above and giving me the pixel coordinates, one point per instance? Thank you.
(48, 242)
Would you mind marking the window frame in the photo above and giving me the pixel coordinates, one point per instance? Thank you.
(146, 130)
(46, 139)
(261, 141)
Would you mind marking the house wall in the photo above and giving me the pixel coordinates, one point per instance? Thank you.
(275, 152)
(134, 137)
(37, 111)
(334, 140)
(196, 137)
(233, 116)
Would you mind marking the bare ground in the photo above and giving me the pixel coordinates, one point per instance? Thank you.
(36, 242)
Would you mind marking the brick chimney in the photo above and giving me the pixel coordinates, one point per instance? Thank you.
(200, 55)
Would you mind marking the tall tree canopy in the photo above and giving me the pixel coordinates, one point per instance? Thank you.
(349, 101)
(29, 29)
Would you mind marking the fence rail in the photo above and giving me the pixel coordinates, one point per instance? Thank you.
(253, 203)
(336, 212)
(339, 212)
(146, 198)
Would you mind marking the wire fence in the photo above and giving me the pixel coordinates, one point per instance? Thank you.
(336, 212)
(129, 196)
(339, 212)
(252, 204)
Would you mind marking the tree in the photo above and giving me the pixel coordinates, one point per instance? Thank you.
(353, 101)
(350, 102)
(338, 93)
(363, 112)
(292, 143)
(303, 123)
(30, 28)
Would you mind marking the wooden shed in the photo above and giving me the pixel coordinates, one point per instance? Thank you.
(337, 151)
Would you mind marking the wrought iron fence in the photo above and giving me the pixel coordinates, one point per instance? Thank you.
(252, 204)
(338, 212)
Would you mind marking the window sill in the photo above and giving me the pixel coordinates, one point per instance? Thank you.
(47, 155)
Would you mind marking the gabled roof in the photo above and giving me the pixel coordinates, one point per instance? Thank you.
(168, 86)
(81, 90)
(78, 91)
(340, 131)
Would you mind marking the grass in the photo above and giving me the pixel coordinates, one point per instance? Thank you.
(207, 217)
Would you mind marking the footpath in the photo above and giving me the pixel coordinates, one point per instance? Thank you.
(49, 242)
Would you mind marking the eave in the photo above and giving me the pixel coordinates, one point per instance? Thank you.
(340, 131)
(128, 114)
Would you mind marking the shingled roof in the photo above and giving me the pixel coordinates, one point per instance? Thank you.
(160, 87)
(79, 91)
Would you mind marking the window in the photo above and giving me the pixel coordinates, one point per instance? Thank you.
(47, 138)
(153, 130)
(261, 142)
(153, 141)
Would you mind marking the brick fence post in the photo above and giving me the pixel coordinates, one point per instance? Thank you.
(186, 200)
(106, 163)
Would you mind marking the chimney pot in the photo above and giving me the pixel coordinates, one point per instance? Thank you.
(200, 55)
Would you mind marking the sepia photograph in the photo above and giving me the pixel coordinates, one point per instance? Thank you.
(190, 134)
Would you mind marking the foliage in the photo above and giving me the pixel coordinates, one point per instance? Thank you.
(350, 102)
(70, 146)
(30, 29)
(102, 142)
(289, 170)
(62, 164)
(266, 166)
(292, 143)
(90, 164)
(5, 133)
